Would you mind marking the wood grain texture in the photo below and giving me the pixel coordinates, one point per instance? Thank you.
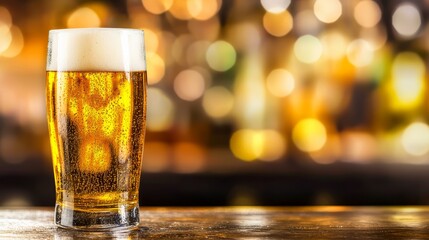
(333, 222)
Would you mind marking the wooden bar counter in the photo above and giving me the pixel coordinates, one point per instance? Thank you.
(330, 222)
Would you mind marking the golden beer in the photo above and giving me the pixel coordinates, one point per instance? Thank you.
(96, 109)
(97, 121)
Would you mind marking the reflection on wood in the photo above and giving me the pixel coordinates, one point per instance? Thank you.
(238, 222)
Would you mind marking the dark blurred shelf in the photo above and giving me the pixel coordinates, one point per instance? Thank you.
(341, 185)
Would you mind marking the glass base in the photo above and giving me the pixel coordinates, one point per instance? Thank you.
(123, 219)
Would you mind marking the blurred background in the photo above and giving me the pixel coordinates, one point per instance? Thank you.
(251, 102)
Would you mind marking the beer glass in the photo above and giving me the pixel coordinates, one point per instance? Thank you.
(96, 110)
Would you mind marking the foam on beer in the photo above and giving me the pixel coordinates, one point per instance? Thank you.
(96, 49)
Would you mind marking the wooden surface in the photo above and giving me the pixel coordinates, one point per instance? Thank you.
(238, 223)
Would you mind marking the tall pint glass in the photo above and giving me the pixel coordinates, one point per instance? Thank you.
(96, 110)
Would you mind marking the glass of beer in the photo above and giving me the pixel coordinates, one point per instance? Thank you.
(96, 110)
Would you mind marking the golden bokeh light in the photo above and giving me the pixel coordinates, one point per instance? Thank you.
(157, 6)
(360, 53)
(221, 56)
(179, 9)
(280, 82)
(250, 145)
(250, 94)
(275, 6)
(5, 38)
(203, 9)
(188, 157)
(358, 146)
(278, 24)
(376, 37)
(406, 19)
(415, 139)
(16, 45)
(156, 156)
(328, 11)
(83, 17)
(335, 45)
(160, 110)
(246, 144)
(309, 135)
(155, 68)
(151, 40)
(308, 49)
(218, 102)
(274, 145)
(408, 82)
(189, 85)
(367, 13)
(5, 17)
(329, 153)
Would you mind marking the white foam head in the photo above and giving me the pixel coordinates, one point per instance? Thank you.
(96, 49)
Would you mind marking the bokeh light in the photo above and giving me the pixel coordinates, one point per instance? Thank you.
(246, 144)
(329, 153)
(328, 11)
(250, 145)
(360, 53)
(156, 156)
(274, 145)
(218, 102)
(188, 157)
(309, 135)
(5, 17)
(308, 49)
(16, 45)
(203, 9)
(367, 13)
(151, 40)
(376, 37)
(157, 6)
(335, 44)
(415, 139)
(408, 83)
(406, 19)
(179, 10)
(275, 6)
(358, 146)
(5, 38)
(221, 56)
(250, 94)
(189, 85)
(83, 17)
(280, 82)
(278, 24)
(155, 67)
(160, 110)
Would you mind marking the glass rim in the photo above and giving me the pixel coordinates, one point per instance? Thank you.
(95, 29)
